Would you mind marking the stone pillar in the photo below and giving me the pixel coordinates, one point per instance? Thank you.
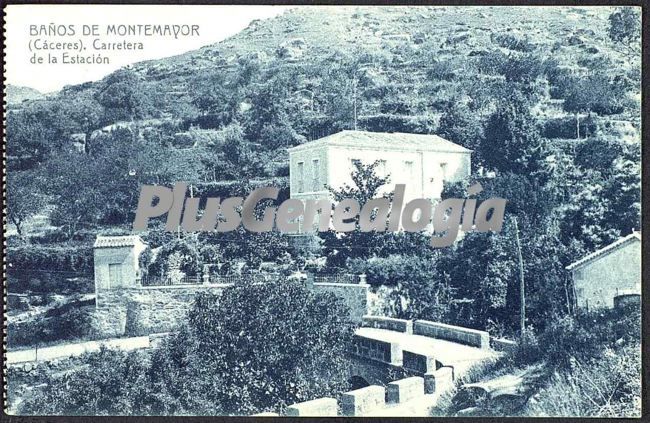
(362, 401)
(206, 274)
(363, 279)
(405, 389)
(309, 282)
(326, 407)
(440, 380)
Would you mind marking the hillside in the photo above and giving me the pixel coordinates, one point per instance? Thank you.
(16, 94)
(408, 61)
(305, 33)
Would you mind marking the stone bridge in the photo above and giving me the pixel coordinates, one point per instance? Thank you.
(402, 367)
(385, 347)
(392, 361)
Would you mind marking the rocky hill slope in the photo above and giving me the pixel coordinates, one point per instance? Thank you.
(305, 33)
(16, 94)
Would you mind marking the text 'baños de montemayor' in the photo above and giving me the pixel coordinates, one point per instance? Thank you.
(378, 214)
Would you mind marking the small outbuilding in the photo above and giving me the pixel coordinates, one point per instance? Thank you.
(602, 278)
(117, 261)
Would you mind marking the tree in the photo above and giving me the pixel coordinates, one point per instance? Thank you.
(124, 97)
(256, 347)
(24, 197)
(595, 93)
(367, 185)
(585, 214)
(238, 160)
(276, 111)
(111, 383)
(483, 270)
(460, 124)
(251, 248)
(177, 257)
(511, 139)
(623, 189)
(84, 113)
(625, 29)
(252, 348)
(34, 134)
(415, 289)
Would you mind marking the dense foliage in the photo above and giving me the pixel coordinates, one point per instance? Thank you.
(554, 127)
(254, 347)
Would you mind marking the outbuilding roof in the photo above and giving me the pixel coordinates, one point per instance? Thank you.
(634, 236)
(117, 241)
(387, 141)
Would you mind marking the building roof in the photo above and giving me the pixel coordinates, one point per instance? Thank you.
(117, 241)
(605, 250)
(385, 140)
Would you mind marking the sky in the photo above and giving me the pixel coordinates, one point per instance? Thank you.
(215, 24)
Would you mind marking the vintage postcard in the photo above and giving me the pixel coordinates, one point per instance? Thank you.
(360, 211)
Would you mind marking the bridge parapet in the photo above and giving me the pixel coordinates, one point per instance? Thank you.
(461, 335)
(405, 389)
(439, 380)
(419, 363)
(313, 408)
(374, 349)
(361, 401)
(375, 400)
(388, 323)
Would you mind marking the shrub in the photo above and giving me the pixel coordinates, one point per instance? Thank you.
(608, 386)
(584, 336)
(250, 349)
(180, 253)
(110, 383)
(71, 325)
(512, 41)
(420, 124)
(565, 127)
(72, 257)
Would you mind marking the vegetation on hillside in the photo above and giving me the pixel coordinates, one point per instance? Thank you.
(548, 99)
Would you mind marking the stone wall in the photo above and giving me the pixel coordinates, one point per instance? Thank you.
(385, 352)
(461, 335)
(388, 323)
(505, 345)
(377, 400)
(143, 310)
(161, 309)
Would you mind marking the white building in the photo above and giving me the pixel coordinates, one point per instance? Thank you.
(608, 274)
(421, 162)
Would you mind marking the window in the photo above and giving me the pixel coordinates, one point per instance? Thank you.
(578, 275)
(315, 169)
(114, 275)
(443, 170)
(354, 163)
(408, 169)
(301, 177)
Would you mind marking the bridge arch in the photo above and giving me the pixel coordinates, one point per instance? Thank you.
(357, 382)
